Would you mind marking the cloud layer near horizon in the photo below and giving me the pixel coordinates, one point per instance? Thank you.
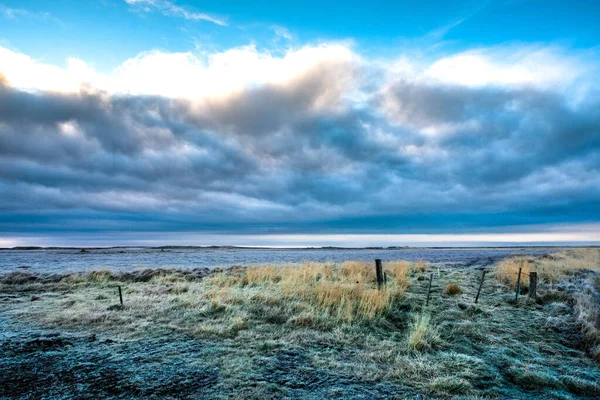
(318, 137)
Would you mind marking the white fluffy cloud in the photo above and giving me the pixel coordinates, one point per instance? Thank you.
(508, 66)
(181, 75)
(187, 75)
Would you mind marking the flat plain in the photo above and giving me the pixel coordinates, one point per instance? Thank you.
(307, 330)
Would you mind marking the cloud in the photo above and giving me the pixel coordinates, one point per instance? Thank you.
(440, 33)
(515, 66)
(20, 13)
(13, 12)
(316, 138)
(178, 75)
(171, 9)
(282, 32)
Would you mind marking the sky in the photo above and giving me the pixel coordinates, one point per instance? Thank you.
(299, 123)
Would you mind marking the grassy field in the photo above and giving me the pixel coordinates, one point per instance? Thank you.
(307, 331)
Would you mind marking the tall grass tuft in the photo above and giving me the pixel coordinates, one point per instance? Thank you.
(452, 289)
(423, 335)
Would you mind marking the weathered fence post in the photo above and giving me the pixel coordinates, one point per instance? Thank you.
(532, 284)
(379, 273)
(120, 296)
(429, 288)
(480, 285)
(518, 284)
(385, 278)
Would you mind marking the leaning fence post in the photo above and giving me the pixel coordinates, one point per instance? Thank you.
(120, 295)
(532, 284)
(480, 285)
(429, 288)
(379, 273)
(518, 284)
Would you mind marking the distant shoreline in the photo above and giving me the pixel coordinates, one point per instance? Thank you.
(34, 248)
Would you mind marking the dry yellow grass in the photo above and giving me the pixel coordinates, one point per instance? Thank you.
(419, 266)
(399, 270)
(346, 293)
(358, 270)
(258, 275)
(452, 289)
(549, 268)
(508, 271)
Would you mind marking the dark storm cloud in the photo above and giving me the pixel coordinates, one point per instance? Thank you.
(298, 154)
(499, 135)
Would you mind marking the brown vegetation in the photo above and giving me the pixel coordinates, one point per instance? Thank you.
(327, 292)
(550, 268)
(452, 289)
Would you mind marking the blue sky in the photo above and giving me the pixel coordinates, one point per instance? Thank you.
(107, 32)
(299, 123)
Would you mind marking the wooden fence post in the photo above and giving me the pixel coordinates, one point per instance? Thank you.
(518, 285)
(480, 285)
(120, 296)
(532, 284)
(379, 273)
(429, 288)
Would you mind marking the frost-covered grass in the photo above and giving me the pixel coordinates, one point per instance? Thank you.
(563, 267)
(550, 268)
(324, 330)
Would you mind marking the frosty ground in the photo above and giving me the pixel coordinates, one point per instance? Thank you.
(315, 330)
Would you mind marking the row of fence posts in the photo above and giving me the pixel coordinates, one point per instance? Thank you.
(382, 281)
(533, 278)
